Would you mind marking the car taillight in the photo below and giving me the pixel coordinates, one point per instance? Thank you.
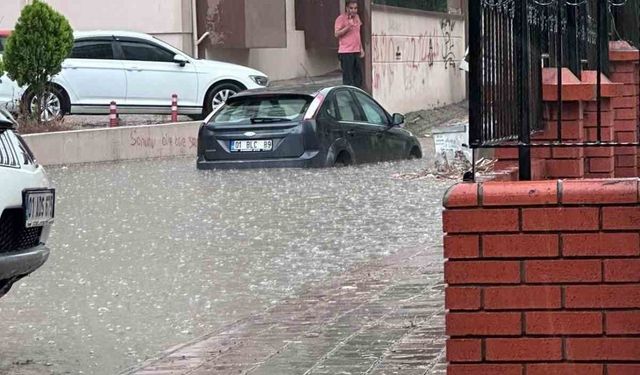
(313, 108)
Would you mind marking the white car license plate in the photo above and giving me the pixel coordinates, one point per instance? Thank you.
(39, 207)
(252, 146)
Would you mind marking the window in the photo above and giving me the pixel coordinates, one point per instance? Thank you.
(372, 111)
(330, 108)
(92, 49)
(244, 109)
(429, 5)
(347, 109)
(140, 51)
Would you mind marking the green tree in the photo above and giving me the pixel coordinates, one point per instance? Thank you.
(40, 42)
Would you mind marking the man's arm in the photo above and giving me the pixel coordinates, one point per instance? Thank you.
(341, 29)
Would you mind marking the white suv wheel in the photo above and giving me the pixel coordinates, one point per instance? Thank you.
(51, 106)
(221, 96)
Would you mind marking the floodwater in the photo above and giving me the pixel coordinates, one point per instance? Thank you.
(146, 255)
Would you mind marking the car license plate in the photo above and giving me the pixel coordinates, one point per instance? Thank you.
(39, 207)
(252, 145)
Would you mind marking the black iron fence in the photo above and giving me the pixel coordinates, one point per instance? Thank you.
(510, 41)
(626, 18)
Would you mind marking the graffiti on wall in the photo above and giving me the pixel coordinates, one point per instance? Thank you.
(137, 140)
(413, 57)
(448, 53)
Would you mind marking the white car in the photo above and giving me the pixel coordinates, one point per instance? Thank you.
(140, 73)
(10, 94)
(27, 203)
(9, 90)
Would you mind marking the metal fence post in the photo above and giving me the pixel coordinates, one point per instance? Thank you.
(571, 53)
(522, 46)
(475, 73)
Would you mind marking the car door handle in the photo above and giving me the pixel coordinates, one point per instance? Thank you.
(132, 68)
(351, 133)
(69, 66)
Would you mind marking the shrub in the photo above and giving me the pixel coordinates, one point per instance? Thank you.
(42, 39)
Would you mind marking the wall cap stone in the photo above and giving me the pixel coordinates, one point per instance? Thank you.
(544, 193)
(621, 50)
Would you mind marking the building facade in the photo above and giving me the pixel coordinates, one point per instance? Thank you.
(261, 34)
(169, 20)
(409, 51)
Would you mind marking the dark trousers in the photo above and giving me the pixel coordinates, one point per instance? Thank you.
(351, 64)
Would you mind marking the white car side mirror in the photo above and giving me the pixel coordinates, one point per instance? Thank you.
(181, 60)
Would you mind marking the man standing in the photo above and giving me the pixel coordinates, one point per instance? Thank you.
(350, 51)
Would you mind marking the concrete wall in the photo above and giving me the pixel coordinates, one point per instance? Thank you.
(417, 54)
(169, 20)
(281, 63)
(266, 23)
(111, 144)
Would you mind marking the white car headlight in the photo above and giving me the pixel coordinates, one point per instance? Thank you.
(260, 80)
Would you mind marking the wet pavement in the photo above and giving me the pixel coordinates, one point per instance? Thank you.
(147, 255)
(383, 317)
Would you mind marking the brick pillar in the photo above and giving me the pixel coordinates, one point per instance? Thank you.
(600, 161)
(543, 277)
(563, 162)
(624, 61)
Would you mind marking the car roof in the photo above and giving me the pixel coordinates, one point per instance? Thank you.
(310, 90)
(280, 91)
(120, 33)
(98, 33)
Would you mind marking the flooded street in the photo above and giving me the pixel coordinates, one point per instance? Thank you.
(146, 255)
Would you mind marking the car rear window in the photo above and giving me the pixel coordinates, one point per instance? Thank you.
(261, 109)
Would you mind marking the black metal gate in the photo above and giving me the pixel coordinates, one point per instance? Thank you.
(510, 41)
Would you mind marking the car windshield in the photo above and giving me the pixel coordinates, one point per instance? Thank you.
(263, 109)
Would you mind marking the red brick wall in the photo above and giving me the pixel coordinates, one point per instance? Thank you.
(543, 278)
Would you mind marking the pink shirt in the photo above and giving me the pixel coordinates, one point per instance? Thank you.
(349, 42)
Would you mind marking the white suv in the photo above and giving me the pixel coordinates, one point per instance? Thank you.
(140, 73)
(27, 203)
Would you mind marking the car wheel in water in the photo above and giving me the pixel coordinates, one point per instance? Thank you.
(54, 104)
(342, 160)
(415, 154)
(219, 94)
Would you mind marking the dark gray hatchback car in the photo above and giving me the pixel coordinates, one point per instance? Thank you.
(296, 128)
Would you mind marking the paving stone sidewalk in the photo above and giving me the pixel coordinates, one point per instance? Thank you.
(385, 317)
